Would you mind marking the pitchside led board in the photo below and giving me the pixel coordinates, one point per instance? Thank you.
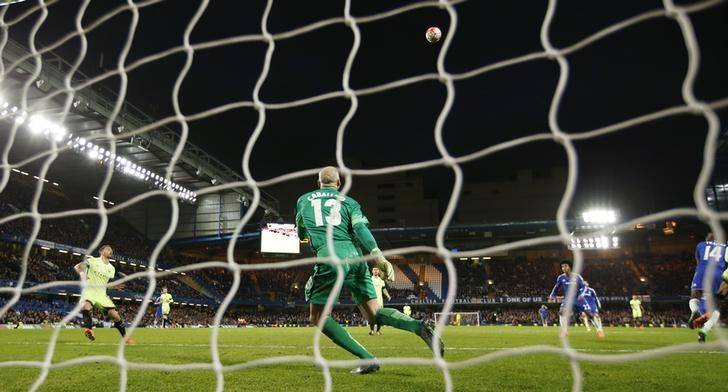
(279, 238)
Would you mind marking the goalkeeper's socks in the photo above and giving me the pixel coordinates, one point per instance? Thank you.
(87, 322)
(119, 325)
(397, 319)
(343, 339)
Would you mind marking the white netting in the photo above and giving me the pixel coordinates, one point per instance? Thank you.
(680, 14)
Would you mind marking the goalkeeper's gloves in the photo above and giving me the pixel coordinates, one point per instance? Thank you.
(383, 264)
(725, 275)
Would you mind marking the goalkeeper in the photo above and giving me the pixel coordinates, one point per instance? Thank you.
(317, 209)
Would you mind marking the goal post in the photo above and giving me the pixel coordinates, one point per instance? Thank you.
(459, 318)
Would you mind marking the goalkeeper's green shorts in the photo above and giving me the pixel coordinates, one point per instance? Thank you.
(100, 301)
(356, 277)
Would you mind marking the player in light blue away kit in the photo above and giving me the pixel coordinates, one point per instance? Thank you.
(591, 308)
(544, 313)
(562, 282)
(708, 254)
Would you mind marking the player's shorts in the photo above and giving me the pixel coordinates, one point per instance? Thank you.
(165, 310)
(700, 271)
(380, 301)
(578, 306)
(583, 306)
(158, 311)
(356, 277)
(637, 315)
(591, 307)
(100, 301)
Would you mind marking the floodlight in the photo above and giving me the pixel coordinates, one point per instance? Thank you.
(599, 216)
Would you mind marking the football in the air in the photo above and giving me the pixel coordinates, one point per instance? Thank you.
(433, 34)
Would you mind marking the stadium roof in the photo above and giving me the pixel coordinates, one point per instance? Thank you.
(87, 117)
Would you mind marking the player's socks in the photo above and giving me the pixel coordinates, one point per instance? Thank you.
(694, 304)
(119, 325)
(695, 312)
(397, 319)
(343, 339)
(711, 322)
(87, 322)
(598, 323)
(586, 323)
(564, 323)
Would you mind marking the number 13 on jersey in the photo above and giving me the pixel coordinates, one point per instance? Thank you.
(333, 215)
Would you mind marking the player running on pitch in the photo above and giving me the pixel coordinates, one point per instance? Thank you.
(543, 311)
(97, 271)
(637, 311)
(166, 300)
(381, 290)
(706, 321)
(157, 310)
(317, 209)
(708, 254)
(562, 282)
(591, 308)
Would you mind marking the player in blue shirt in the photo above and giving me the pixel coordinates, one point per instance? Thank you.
(708, 255)
(157, 310)
(591, 308)
(562, 283)
(544, 313)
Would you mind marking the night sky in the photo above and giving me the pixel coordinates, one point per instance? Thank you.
(633, 72)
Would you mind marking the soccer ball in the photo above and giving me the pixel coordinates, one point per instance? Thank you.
(433, 34)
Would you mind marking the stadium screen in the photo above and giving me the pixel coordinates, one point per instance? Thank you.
(279, 238)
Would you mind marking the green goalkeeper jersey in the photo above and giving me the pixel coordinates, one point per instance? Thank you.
(98, 274)
(316, 209)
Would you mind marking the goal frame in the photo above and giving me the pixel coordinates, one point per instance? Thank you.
(439, 315)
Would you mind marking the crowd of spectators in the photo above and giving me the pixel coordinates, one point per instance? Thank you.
(615, 317)
(496, 278)
(642, 274)
(50, 266)
(78, 231)
(34, 311)
(667, 276)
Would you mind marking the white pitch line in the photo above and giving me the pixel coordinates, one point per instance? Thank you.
(205, 345)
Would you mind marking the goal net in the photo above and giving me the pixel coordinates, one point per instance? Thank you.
(43, 82)
(458, 318)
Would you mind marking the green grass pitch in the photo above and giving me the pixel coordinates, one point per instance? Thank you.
(705, 367)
